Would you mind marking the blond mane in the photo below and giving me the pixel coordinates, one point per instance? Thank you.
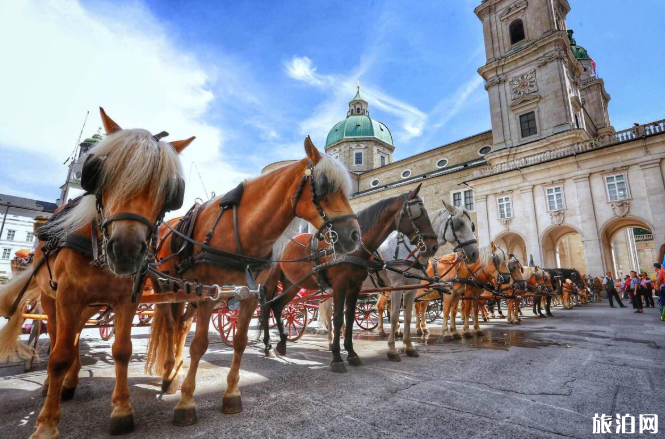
(133, 160)
(487, 255)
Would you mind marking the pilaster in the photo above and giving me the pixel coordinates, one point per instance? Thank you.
(592, 252)
(483, 228)
(532, 234)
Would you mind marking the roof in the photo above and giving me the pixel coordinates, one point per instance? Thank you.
(27, 203)
(359, 126)
(579, 51)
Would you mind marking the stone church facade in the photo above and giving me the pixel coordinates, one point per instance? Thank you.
(552, 182)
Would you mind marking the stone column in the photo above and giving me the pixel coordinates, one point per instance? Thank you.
(589, 229)
(483, 226)
(653, 182)
(531, 233)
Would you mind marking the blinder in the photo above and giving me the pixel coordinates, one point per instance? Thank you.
(176, 197)
(91, 173)
(321, 186)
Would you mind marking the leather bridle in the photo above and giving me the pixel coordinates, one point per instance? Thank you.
(460, 245)
(416, 236)
(326, 232)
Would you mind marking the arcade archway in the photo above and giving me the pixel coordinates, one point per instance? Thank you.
(563, 248)
(628, 244)
(513, 243)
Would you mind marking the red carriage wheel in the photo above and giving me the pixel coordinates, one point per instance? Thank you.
(367, 316)
(214, 317)
(433, 311)
(106, 332)
(272, 323)
(295, 321)
(227, 324)
(143, 318)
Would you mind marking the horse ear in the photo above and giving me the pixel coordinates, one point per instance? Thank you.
(179, 145)
(448, 207)
(109, 125)
(535, 269)
(311, 150)
(493, 246)
(414, 193)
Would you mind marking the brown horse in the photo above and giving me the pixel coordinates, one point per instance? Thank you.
(132, 179)
(314, 189)
(492, 268)
(535, 284)
(405, 213)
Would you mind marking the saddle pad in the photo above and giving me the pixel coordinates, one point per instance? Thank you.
(186, 227)
(232, 198)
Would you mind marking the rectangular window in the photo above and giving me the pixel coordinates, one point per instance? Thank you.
(616, 187)
(505, 207)
(11, 234)
(383, 160)
(6, 252)
(464, 198)
(29, 237)
(358, 158)
(528, 124)
(554, 198)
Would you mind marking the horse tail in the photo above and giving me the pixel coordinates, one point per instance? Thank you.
(158, 347)
(11, 349)
(325, 314)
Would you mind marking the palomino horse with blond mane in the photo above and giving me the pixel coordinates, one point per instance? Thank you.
(91, 249)
(452, 225)
(492, 271)
(405, 213)
(199, 250)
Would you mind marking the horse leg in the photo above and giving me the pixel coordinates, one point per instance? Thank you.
(182, 329)
(167, 311)
(445, 331)
(453, 322)
(351, 300)
(409, 298)
(419, 329)
(265, 326)
(184, 412)
(498, 308)
(548, 306)
(72, 378)
(49, 308)
(337, 364)
(277, 312)
(60, 360)
(466, 314)
(122, 416)
(380, 306)
(395, 300)
(476, 317)
(231, 401)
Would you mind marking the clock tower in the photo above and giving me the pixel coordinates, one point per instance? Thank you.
(535, 76)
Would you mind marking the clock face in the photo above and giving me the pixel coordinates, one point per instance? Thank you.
(523, 84)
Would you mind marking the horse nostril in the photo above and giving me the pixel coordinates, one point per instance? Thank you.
(355, 236)
(435, 248)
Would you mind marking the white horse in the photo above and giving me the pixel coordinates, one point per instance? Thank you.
(452, 225)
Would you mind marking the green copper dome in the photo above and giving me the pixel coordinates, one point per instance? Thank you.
(579, 51)
(358, 124)
(361, 126)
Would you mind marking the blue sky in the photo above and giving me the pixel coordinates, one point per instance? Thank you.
(251, 79)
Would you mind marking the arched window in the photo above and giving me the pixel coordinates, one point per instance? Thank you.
(516, 30)
(358, 110)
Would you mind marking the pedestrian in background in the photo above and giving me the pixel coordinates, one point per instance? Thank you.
(611, 290)
(660, 288)
(626, 289)
(636, 290)
(647, 291)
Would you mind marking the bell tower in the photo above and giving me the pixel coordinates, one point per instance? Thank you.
(532, 74)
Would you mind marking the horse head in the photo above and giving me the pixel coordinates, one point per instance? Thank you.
(321, 198)
(135, 179)
(458, 229)
(414, 222)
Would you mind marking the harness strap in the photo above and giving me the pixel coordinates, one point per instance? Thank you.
(18, 299)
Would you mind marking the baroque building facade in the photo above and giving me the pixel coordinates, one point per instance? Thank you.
(552, 181)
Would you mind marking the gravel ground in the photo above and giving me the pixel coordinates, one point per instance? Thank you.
(545, 378)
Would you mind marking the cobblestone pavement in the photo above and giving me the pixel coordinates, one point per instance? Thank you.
(545, 378)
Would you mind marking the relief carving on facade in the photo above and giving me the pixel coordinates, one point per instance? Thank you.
(506, 222)
(495, 81)
(513, 9)
(523, 84)
(557, 53)
(620, 208)
(557, 217)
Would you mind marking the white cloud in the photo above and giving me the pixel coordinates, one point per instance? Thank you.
(411, 119)
(62, 60)
(448, 108)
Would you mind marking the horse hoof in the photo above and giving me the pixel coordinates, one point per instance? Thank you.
(549, 314)
(480, 332)
(468, 335)
(183, 417)
(543, 316)
(281, 348)
(338, 367)
(447, 337)
(231, 404)
(412, 353)
(67, 393)
(270, 353)
(122, 424)
(456, 336)
(354, 361)
(394, 356)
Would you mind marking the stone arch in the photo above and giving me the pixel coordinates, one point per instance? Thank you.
(513, 242)
(622, 251)
(563, 247)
